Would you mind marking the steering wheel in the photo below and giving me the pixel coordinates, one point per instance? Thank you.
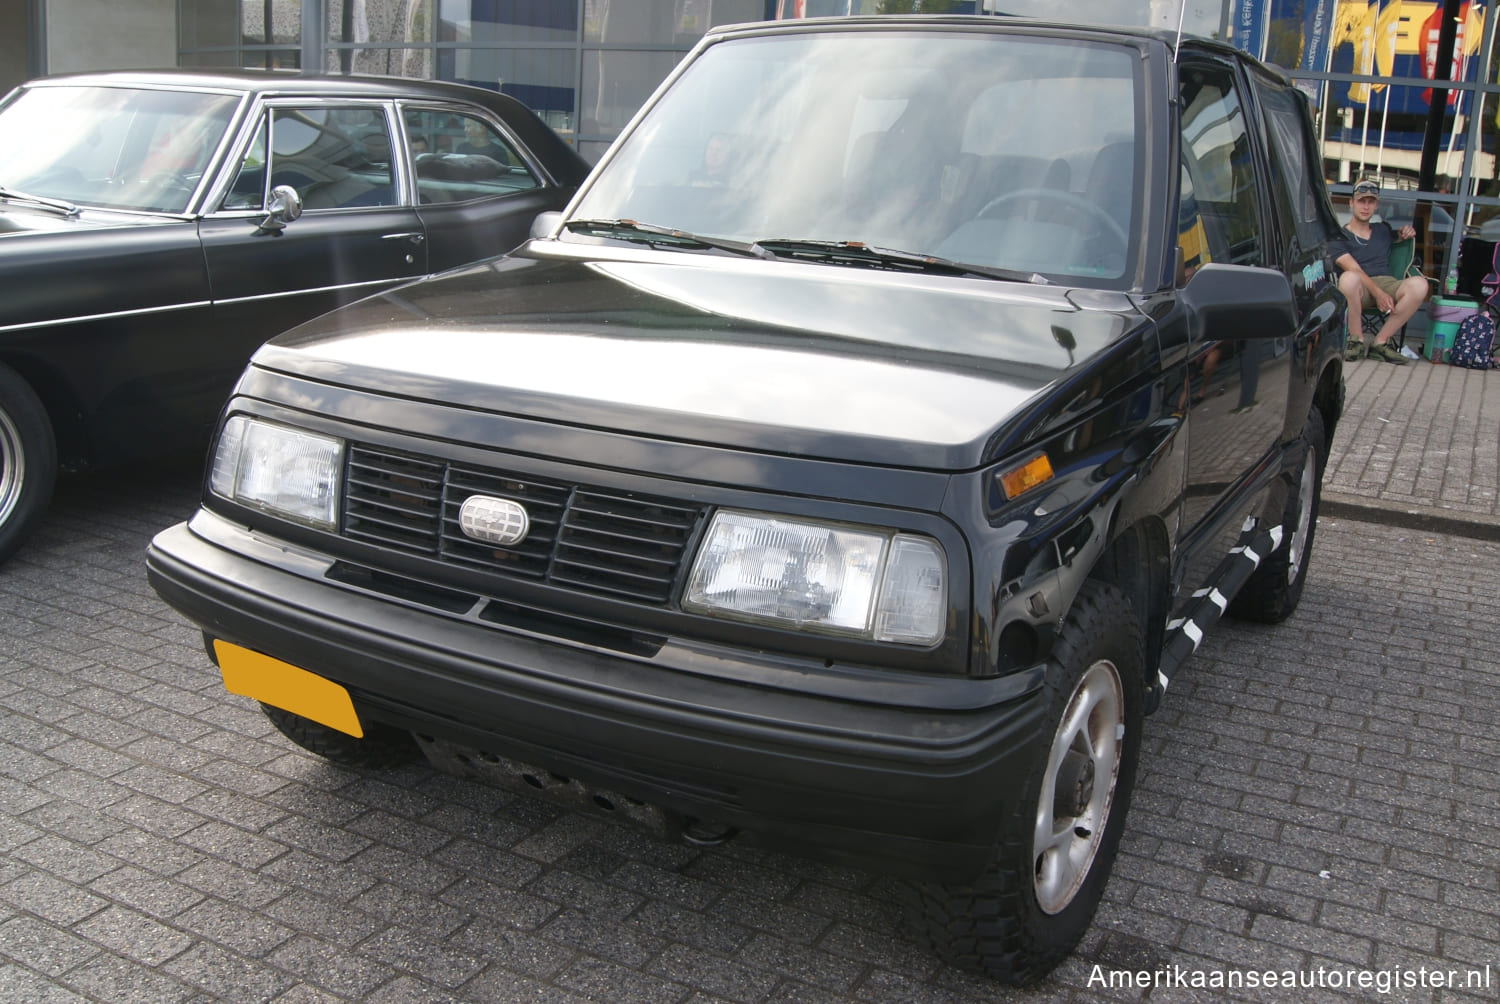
(1084, 207)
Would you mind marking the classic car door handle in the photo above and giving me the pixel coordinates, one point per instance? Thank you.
(414, 236)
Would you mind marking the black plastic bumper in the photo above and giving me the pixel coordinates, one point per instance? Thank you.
(897, 771)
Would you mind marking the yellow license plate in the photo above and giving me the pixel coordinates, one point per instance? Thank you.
(284, 686)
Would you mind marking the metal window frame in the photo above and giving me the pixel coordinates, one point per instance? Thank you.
(316, 47)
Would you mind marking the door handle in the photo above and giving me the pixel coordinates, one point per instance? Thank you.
(416, 237)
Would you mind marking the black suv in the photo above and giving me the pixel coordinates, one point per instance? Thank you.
(852, 463)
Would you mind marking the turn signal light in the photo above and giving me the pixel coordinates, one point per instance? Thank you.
(1033, 471)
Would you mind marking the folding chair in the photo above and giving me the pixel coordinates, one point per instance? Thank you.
(1403, 266)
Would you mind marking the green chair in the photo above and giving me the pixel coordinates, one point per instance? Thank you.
(1403, 266)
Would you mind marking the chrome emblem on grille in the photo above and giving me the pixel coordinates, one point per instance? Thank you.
(494, 521)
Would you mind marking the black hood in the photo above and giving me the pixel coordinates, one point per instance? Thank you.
(842, 363)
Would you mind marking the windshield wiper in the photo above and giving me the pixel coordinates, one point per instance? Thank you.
(58, 205)
(651, 233)
(859, 253)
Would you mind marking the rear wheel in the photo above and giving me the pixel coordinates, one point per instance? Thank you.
(1035, 901)
(381, 746)
(1275, 588)
(28, 461)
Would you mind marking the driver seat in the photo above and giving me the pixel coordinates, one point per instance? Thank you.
(1111, 182)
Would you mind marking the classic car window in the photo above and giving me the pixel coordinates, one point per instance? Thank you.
(459, 157)
(335, 157)
(249, 188)
(112, 147)
(1217, 159)
(1006, 151)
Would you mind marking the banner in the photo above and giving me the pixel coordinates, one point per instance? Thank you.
(1317, 31)
(1375, 47)
(1251, 24)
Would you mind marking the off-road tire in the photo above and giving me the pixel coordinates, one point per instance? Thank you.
(1275, 588)
(28, 461)
(998, 926)
(382, 746)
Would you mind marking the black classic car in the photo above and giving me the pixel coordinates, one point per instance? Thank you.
(851, 465)
(156, 227)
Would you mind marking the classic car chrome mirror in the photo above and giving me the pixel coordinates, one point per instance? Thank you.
(285, 205)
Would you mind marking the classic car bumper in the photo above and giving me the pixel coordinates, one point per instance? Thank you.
(908, 773)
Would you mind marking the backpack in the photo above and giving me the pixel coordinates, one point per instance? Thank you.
(1474, 342)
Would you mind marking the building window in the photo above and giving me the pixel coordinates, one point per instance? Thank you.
(584, 66)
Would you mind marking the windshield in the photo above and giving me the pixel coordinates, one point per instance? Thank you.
(1005, 151)
(113, 147)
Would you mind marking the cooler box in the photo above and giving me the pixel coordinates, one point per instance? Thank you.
(1445, 314)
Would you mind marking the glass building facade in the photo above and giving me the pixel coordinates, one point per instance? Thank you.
(1368, 66)
(585, 66)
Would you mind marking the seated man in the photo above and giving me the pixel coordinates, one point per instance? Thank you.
(1364, 260)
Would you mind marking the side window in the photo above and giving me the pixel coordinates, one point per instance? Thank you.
(335, 157)
(1192, 238)
(249, 188)
(459, 157)
(1217, 161)
(1298, 176)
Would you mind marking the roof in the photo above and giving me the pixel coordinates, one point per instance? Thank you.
(982, 22)
(279, 82)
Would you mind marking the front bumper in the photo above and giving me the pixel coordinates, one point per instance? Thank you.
(903, 772)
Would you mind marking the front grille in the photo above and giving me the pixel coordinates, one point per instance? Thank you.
(580, 538)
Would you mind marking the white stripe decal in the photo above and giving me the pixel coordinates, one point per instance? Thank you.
(1194, 633)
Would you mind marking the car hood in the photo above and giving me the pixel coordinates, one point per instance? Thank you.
(21, 218)
(804, 359)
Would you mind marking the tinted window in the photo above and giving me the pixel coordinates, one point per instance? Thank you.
(1298, 177)
(458, 157)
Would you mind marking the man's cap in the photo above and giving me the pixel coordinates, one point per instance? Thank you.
(1367, 188)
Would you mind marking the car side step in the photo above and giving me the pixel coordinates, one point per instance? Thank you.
(1207, 605)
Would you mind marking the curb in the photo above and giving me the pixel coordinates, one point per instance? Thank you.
(1478, 526)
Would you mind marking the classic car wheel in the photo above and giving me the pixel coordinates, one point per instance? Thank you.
(381, 746)
(1058, 842)
(1275, 588)
(28, 461)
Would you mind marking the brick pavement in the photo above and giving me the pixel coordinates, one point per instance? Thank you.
(1323, 794)
(1419, 445)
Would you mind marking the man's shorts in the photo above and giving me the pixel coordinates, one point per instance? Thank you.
(1388, 283)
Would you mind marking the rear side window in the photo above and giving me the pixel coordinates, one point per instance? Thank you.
(458, 157)
(1298, 179)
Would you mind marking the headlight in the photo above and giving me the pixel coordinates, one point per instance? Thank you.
(856, 581)
(279, 469)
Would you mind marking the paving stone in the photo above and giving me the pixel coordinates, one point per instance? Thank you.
(1321, 793)
(41, 946)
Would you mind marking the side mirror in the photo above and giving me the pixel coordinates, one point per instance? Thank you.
(1237, 302)
(284, 206)
(545, 224)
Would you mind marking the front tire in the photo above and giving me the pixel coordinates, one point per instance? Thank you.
(28, 461)
(1058, 842)
(1275, 588)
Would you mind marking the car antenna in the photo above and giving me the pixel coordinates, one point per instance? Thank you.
(1181, 16)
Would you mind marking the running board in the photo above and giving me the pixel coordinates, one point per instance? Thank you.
(1207, 605)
